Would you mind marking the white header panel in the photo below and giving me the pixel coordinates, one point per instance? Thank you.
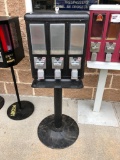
(101, 7)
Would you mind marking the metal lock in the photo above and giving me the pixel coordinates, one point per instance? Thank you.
(40, 74)
(95, 46)
(40, 62)
(94, 56)
(110, 47)
(57, 74)
(74, 63)
(74, 74)
(108, 57)
(57, 63)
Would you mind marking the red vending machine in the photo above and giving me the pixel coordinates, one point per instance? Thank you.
(11, 53)
(104, 33)
(11, 48)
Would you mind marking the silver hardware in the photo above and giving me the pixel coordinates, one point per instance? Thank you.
(74, 74)
(57, 74)
(57, 63)
(94, 56)
(74, 63)
(95, 47)
(110, 47)
(56, 9)
(108, 57)
(40, 63)
(40, 73)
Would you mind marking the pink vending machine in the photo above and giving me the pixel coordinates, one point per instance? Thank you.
(104, 33)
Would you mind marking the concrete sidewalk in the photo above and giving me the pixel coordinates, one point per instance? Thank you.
(19, 140)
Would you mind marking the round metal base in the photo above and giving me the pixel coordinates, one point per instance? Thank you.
(1, 102)
(58, 138)
(15, 113)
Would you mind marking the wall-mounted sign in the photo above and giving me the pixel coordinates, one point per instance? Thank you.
(42, 5)
(75, 4)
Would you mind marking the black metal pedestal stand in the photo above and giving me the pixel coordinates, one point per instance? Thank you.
(58, 131)
(21, 109)
(1, 102)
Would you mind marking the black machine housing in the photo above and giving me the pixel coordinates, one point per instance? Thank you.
(11, 48)
(48, 19)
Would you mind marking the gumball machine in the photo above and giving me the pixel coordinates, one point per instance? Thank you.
(103, 49)
(57, 41)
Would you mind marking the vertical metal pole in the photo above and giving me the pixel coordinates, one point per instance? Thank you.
(58, 107)
(15, 85)
(100, 90)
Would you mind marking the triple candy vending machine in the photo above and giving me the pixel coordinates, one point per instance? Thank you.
(57, 42)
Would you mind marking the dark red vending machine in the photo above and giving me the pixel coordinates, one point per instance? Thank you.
(11, 53)
(11, 49)
(104, 33)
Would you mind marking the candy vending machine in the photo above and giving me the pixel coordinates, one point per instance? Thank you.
(57, 43)
(11, 53)
(103, 49)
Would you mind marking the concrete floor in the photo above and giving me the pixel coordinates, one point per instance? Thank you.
(19, 140)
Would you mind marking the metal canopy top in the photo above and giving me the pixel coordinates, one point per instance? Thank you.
(60, 15)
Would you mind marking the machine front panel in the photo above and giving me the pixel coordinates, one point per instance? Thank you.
(64, 42)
